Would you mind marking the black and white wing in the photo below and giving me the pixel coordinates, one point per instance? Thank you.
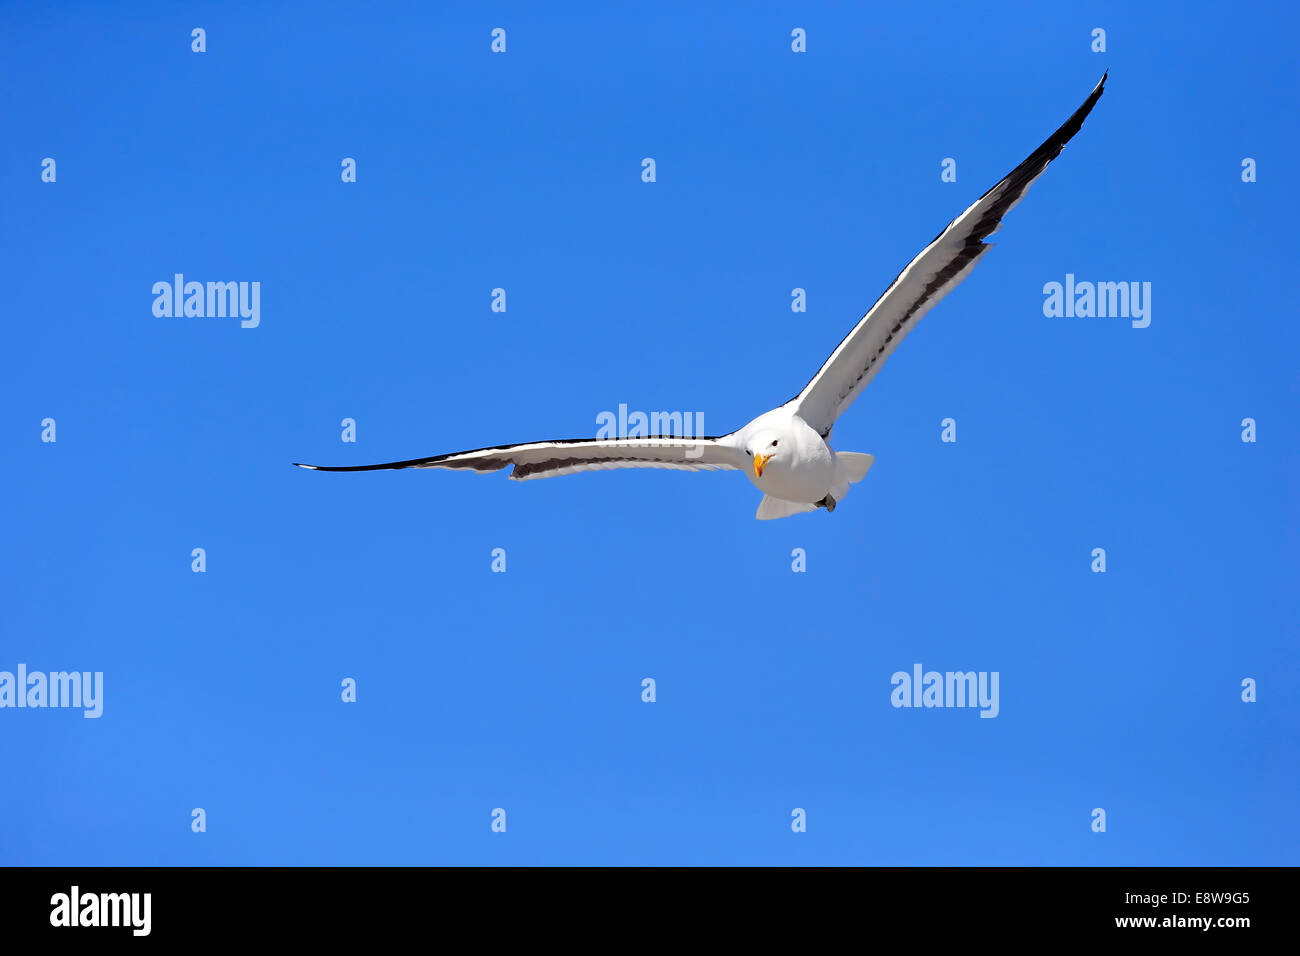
(545, 459)
(934, 273)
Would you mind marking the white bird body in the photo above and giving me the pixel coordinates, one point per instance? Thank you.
(797, 464)
(785, 452)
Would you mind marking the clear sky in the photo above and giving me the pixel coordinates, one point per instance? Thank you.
(522, 690)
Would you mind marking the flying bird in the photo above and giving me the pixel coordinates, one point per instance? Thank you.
(786, 451)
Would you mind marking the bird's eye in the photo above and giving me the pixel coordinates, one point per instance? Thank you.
(748, 452)
(774, 443)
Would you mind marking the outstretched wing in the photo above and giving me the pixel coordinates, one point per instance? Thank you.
(545, 459)
(934, 273)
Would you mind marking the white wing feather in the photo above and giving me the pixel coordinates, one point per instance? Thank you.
(940, 268)
(547, 459)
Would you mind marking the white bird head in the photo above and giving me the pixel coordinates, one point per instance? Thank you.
(764, 447)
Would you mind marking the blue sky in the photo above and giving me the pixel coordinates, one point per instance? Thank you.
(775, 170)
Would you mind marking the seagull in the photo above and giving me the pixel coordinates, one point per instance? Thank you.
(786, 451)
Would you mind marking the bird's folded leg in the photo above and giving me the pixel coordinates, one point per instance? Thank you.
(828, 503)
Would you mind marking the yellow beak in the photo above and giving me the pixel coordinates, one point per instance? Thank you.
(759, 462)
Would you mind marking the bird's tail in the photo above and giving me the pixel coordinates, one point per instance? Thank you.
(851, 466)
